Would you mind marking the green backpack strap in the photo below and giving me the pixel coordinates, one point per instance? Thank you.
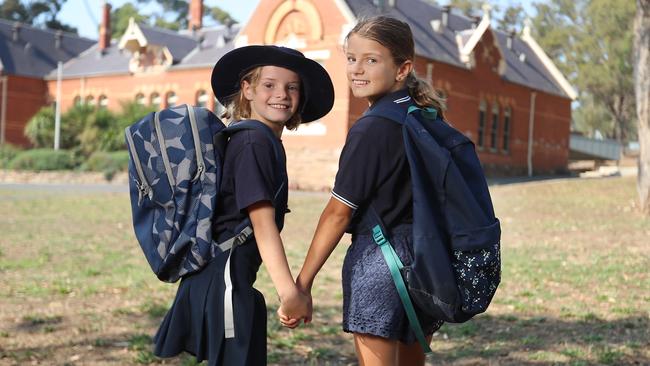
(428, 112)
(395, 265)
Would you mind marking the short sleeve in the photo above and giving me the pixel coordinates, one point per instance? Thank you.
(358, 172)
(254, 175)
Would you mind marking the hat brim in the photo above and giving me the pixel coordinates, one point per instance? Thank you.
(317, 89)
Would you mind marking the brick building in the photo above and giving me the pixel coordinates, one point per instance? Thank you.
(501, 90)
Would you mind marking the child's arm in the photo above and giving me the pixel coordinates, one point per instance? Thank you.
(332, 224)
(293, 303)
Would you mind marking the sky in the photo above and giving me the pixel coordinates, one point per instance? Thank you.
(85, 14)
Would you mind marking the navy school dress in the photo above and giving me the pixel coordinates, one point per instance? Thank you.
(195, 322)
(374, 169)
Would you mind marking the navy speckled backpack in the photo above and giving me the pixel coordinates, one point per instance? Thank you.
(456, 237)
(176, 160)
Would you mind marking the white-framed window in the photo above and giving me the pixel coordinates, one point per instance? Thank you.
(76, 100)
(507, 121)
(140, 99)
(90, 100)
(103, 101)
(495, 126)
(482, 110)
(154, 99)
(171, 99)
(202, 99)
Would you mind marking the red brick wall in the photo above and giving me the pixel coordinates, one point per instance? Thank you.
(311, 155)
(184, 83)
(466, 88)
(25, 96)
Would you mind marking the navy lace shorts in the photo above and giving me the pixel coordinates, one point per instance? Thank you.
(371, 304)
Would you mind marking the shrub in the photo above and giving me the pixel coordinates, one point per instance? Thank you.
(43, 159)
(40, 128)
(107, 162)
(7, 153)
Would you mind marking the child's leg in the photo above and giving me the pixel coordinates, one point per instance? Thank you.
(372, 350)
(410, 355)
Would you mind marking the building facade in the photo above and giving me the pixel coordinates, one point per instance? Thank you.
(501, 89)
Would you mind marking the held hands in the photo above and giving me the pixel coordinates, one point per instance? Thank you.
(294, 307)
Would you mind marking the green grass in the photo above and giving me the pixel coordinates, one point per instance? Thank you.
(574, 286)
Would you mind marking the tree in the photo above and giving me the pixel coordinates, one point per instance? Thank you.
(470, 8)
(120, 19)
(591, 42)
(512, 18)
(642, 91)
(38, 13)
(173, 16)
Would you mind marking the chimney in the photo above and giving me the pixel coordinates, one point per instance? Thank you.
(105, 27)
(445, 15)
(511, 37)
(58, 37)
(196, 15)
(15, 32)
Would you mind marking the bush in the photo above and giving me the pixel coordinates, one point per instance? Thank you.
(107, 162)
(43, 159)
(7, 153)
(40, 128)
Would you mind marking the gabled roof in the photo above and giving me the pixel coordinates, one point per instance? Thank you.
(35, 52)
(178, 45)
(208, 45)
(525, 64)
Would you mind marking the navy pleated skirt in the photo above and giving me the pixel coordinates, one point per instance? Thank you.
(371, 304)
(195, 322)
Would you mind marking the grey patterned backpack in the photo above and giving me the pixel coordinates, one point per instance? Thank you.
(174, 177)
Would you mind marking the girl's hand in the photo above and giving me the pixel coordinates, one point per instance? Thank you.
(294, 306)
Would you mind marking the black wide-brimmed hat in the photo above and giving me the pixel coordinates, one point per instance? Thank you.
(317, 91)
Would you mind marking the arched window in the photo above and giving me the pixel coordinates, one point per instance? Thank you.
(90, 100)
(482, 110)
(202, 99)
(495, 126)
(507, 118)
(140, 99)
(171, 99)
(103, 101)
(77, 100)
(154, 99)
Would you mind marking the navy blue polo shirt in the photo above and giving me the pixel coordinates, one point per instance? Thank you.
(373, 168)
(250, 175)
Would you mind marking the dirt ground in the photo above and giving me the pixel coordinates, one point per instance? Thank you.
(76, 289)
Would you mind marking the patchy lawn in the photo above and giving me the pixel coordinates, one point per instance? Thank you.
(76, 289)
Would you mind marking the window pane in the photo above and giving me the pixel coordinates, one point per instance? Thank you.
(103, 101)
(495, 127)
(171, 99)
(155, 99)
(506, 130)
(202, 99)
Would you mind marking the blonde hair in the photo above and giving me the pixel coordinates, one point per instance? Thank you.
(397, 37)
(239, 107)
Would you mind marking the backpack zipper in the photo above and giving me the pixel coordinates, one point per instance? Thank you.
(200, 164)
(163, 151)
(142, 185)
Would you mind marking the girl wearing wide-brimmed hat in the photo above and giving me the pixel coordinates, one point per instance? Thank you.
(278, 87)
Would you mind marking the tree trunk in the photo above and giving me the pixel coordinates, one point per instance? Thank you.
(642, 91)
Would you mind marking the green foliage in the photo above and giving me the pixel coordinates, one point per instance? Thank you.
(43, 159)
(107, 162)
(174, 14)
(591, 42)
(120, 19)
(7, 153)
(98, 133)
(37, 13)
